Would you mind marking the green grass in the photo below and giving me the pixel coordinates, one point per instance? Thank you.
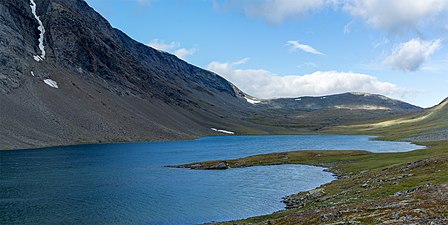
(356, 168)
(407, 127)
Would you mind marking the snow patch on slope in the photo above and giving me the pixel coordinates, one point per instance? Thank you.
(362, 107)
(361, 94)
(51, 83)
(37, 58)
(41, 28)
(222, 131)
(252, 101)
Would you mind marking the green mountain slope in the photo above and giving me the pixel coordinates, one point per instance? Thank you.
(429, 125)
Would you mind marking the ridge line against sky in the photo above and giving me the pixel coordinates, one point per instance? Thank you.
(287, 48)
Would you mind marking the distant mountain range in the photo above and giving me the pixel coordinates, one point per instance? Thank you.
(351, 101)
(68, 77)
(306, 114)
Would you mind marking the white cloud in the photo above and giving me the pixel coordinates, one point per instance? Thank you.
(295, 45)
(409, 56)
(307, 64)
(276, 11)
(182, 53)
(162, 46)
(347, 27)
(172, 47)
(385, 41)
(389, 15)
(265, 84)
(396, 15)
(241, 61)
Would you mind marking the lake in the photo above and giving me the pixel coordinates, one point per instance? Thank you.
(128, 183)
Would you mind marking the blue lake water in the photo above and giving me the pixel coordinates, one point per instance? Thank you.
(128, 183)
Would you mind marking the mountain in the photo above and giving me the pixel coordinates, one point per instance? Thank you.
(106, 86)
(68, 77)
(317, 113)
(350, 101)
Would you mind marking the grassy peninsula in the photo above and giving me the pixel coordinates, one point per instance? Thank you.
(373, 188)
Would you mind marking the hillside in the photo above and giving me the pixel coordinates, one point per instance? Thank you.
(107, 87)
(350, 101)
(429, 125)
(317, 113)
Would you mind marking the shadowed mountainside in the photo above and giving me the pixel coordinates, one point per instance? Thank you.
(110, 87)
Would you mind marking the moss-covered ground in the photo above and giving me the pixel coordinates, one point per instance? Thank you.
(373, 188)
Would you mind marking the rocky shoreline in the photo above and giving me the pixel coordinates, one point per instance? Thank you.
(386, 188)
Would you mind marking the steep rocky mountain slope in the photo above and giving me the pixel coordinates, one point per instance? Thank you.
(68, 77)
(109, 87)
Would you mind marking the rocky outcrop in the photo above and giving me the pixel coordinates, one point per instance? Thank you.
(221, 165)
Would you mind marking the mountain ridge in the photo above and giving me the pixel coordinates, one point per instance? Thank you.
(343, 99)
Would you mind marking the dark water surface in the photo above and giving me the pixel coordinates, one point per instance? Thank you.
(127, 183)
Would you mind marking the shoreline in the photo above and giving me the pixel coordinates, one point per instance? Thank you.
(38, 147)
(149, 140)
(288, 200)
(356, 186)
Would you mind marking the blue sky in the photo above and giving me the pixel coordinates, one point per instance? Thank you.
(287, 48)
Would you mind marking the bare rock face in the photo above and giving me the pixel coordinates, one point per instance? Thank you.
(15, 17)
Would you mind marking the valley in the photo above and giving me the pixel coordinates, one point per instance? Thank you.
(97, 127)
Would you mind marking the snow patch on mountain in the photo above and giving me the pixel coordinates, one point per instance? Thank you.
(41, 28)
(222, 131)
(362, 107)
(51, 83)
(252, 101)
